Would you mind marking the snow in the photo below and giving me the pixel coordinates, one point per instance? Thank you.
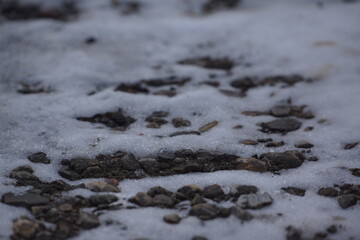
(275, 37)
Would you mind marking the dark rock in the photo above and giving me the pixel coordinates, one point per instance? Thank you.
(180, 122)
(347, 201)
(26, 228)
(224, 212)
(163, 201)
(150, 165)
(237, 190)
(102, 199)
(281, 125)
(204, 211)
(190, 190)
(215, 5)
(355, 171)
(332, 229)
(243, 83)
(303, 144)
(95, 171)
(275, 144)
(350, 145)
(24, 200)
(172, 218)
(264, 140)
(198, 238)
(294, 191)
(313, 159)
(281, 110)
(111, 119)
(133, 88)
(142, 199)
(26, 168)
(251, 164)
(284, 160)
(238, 127)
(197, 199)
(81, 164)
(254, 201)
(208, 126)
(241, 214)
(23, 175)
(158, 190)
(293, 233)
(214, 192)
(90, 40)
(248, 142)
(172, 80)
(129, 162)
(87, 220)
(69, 175)
(211, 63)
(328, 192)
(184, 133)
(39, 157)
(308, 129)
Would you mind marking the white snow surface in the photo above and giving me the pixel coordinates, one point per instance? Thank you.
(275, 37)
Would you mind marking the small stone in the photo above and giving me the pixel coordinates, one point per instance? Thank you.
(350, 145)
(282, 160)
(197, 199)
(320, 235)
(241, 214)
(281, 110)
(95, 171)
(87, 220)
(105, 199)
(180, 122)
(25, 168)
(238, 127)
(248, 142)
(264, 140)
(251, 164)
(332, 229)
(163, 201)
(237, 190)
(293, 233)
(158, 190)
(90, 40)
(347, 201)
(204, 211)
(322, 121)
(190, 190)
(150, 165)
(142, 199)
(23, 175)
(355, 171)
(328, 192)
(243, 83)
(172, 218)
(208, 126)
(39, 157)
(80, 164)
(25, 228)
(254, 201)
(214, 192)
(275, 144)
(69, 175)
(101, 186)
(281, 125)
(313, 159)
(24, 200)
(308, 129)
(224, 212)
(184, 133)
(129, 162)
(303, 144)
(198, 238)
(65, 207)
(294, 191)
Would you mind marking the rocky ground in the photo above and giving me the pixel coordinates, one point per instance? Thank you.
(179, 119)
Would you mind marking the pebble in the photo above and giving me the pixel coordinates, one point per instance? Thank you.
(25, 200)
(238, 127)
(158, 190)
(25, 228)
(241, 214)
(163, 201)
(355, 171)
(23, 175)
(197, 199)
(210, 63)
(204, 211)
(180, 122)
(275, 144)
(172, 218)
(243, 83)
(190, 190)
(129, 162)
(308, 129)
(142, 199)
(248, 142)
(328, 192)
(237, 190)
(198, 238)
(347, 201)
(284, 160)
(281, 125)
(105, 199)
(251, 164)
(101, 186)
(303, 144)
(294, 191)
(39, 157)
(87, 220)
(25, 168)
(281, 110)
(150, 165)
(184, 133)
(254, 201)
(350, 145)
(208, 126)
(214, 192)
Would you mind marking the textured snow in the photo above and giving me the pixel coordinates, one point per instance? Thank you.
(275, 37)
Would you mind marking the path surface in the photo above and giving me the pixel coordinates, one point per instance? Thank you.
(219, 68)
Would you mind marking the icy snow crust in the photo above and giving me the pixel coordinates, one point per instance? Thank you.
(275, 37)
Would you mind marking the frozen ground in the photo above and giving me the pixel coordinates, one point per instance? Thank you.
(264, 38)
